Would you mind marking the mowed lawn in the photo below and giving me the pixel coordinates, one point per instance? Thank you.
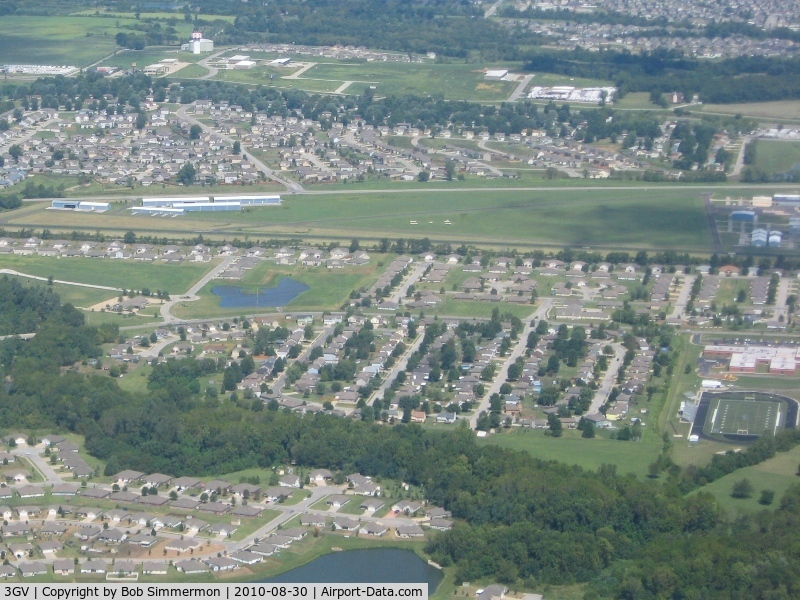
(636, 218)
(777, 157)
(126, 274)
(328, 289)
(775, 474)
(453, 81)
(571, 448)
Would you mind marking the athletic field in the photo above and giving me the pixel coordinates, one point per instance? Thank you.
(747, 414)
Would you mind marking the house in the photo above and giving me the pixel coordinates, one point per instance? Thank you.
(320, 476)
(63, 566)
(125, 477)
(406, 507)
(492, 592)
(440, 524)
(446, 417)
(372, 505)
(247, 558)
(191, 567)
(346, 524)
(154, 568)
(337, 501)
(312, 520)
(289, 481)
(222, 563)
(374, 529)
(31, 569)
(410, 530)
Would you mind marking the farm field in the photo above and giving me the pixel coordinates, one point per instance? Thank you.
(78, 40)
(117, 273)
(777, 156)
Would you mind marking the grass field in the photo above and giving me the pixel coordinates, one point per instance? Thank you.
(623, 218)
(80, 297)
(329, 288)
(782, 110)
(77, 40)
(571, 448)
(775, 474)
(776, 156)
(465, 308)
(118, 273)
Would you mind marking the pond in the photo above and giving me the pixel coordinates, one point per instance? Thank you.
(235, 297)
(378, 565)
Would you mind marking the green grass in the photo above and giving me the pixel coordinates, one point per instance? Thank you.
(77, 296)
(191, 72)
(466, 308)
(776, 156)
(775, 474)
(115, 273)
(297, 497)
(329, 288)
(150, 55)
(571, 448)
(729, 289)
(636, 219)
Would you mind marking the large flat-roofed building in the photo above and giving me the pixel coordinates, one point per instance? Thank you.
(178, 205)
(256, 200)
(780, 360)
(64, 204)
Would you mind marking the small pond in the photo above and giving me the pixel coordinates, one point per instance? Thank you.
(235, 297)
(378, 565)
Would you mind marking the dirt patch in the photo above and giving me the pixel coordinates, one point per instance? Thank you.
(485, 86)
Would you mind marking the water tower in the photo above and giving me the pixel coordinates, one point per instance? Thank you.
(195, 41)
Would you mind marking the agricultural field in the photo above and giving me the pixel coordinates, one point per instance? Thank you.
(775, 156)
(114, 273)
(65, 40)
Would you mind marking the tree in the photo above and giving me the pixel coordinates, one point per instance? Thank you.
(237, 147)
(767, 496)
(449, 169)
(187, 174)
(588, 430)
(742, 489)
(141, 120)
(15, 152)
(195, 131)
(423, 176)
(554, 424)
(129, 237)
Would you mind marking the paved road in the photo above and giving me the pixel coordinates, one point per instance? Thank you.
(399, 366)
(88, 285)
(212, 71)
(410, 280)
(515, 353)
(609, 378)
(493, 9)
(520, 88)
(24, 137)
(269, 173)
(191, 295)
(737, 167)
(277, 385)
(39, 462)
(683, 296)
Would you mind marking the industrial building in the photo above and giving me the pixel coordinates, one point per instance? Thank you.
(80, 205)
(786, 199)
(746, 359)
(178, 205)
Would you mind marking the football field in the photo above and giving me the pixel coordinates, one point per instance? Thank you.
(744, 416)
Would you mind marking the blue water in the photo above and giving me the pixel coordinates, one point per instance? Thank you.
(378, 565)
(235, 297)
